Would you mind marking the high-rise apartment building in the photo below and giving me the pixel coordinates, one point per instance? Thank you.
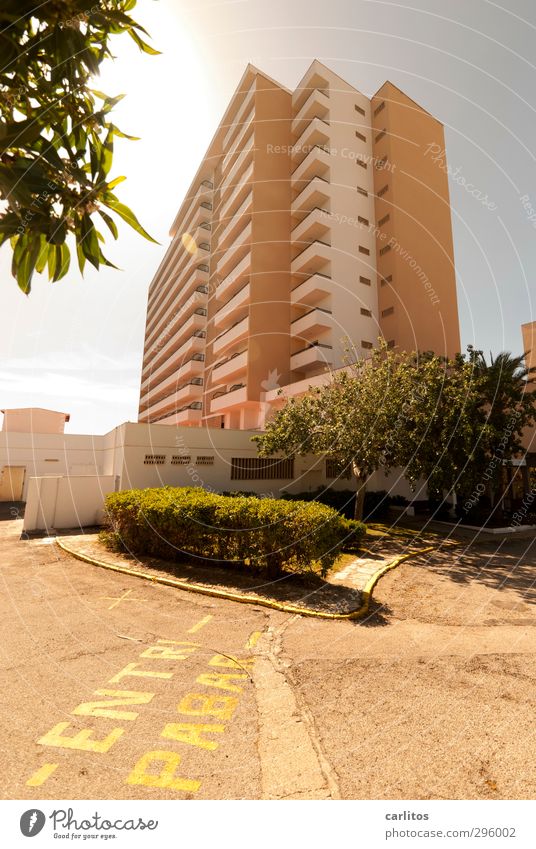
(318, 218)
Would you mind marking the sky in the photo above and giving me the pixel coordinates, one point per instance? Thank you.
(77, 345)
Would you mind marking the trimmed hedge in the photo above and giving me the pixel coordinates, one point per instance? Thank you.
(264, 533)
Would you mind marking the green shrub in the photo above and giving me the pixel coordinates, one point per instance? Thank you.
(376, 505)
(266, 533)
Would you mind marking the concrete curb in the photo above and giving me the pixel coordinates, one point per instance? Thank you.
(359, 613)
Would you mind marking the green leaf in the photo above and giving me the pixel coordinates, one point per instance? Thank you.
(115, 182)
(81, 258)
(127, 215)
(40, 265)
(108, 220)
(146, 48)
(89, 241)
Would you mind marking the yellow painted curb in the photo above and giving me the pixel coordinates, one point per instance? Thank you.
(359, 613)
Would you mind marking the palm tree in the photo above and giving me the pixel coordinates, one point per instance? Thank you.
(508, 400)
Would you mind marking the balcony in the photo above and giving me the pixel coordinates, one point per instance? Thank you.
(316, 164)
(315, 194)
(312, 259)
(317, 320)
(314, 289)
(194, 345)
(227, 209)
(237, 222)
(194, 273)
(235, 279)
(196, 297)
(188, 320)
(315, 106)
(202, 195)
(315, 133)
(239, 142)
(243, 160)
(238, 120)
(232, 336)
(227, 369)
(235, 252)
(235, 397)
(313, 80)
(314, 226)
(186, 393)
(192, 368)
(312, 357)
(189, 415)
(229, 311)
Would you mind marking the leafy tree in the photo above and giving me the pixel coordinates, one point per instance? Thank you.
(444, 428)
(445, 421)
(349, 419)
(508, 406)
(57, 133)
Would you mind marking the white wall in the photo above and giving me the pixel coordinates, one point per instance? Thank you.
(56, 502)
(55, 454)
(58, 496)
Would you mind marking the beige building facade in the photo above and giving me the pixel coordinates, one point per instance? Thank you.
(317, 221)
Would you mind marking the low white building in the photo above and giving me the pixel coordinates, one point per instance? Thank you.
(64, 477)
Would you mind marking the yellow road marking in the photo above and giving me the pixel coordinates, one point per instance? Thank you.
(253, 639)
(199, 625)
(40, 776)
(119, 599)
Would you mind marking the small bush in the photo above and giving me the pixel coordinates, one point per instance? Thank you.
(266, 533)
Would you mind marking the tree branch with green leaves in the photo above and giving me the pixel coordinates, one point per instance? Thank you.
(57, 133)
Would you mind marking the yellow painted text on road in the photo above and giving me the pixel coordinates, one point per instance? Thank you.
(187, 732)
(198, 625)
(197, 704)
(81, 740)
(117, 697)
(163, 650)
(167, 763)
(130, 669)
(221, 680)
(40, 776)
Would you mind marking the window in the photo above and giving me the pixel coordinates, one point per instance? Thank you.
(385, 280)
(388, 311)
(380, 135)
(154, 460)
(180, 460)
(366, 345)
(362, 191)
(259, 468)
(385, 250)
(383, 220)
(365, 281)
(391, 343)
(379, 108)
(205, 460)
(51, 460)
(360, 136)
(362, 220)
(363, 311)
(334, 470)
(361, 163)
(363, 250)
(359, 109)
(381, 163)
(382, 191)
